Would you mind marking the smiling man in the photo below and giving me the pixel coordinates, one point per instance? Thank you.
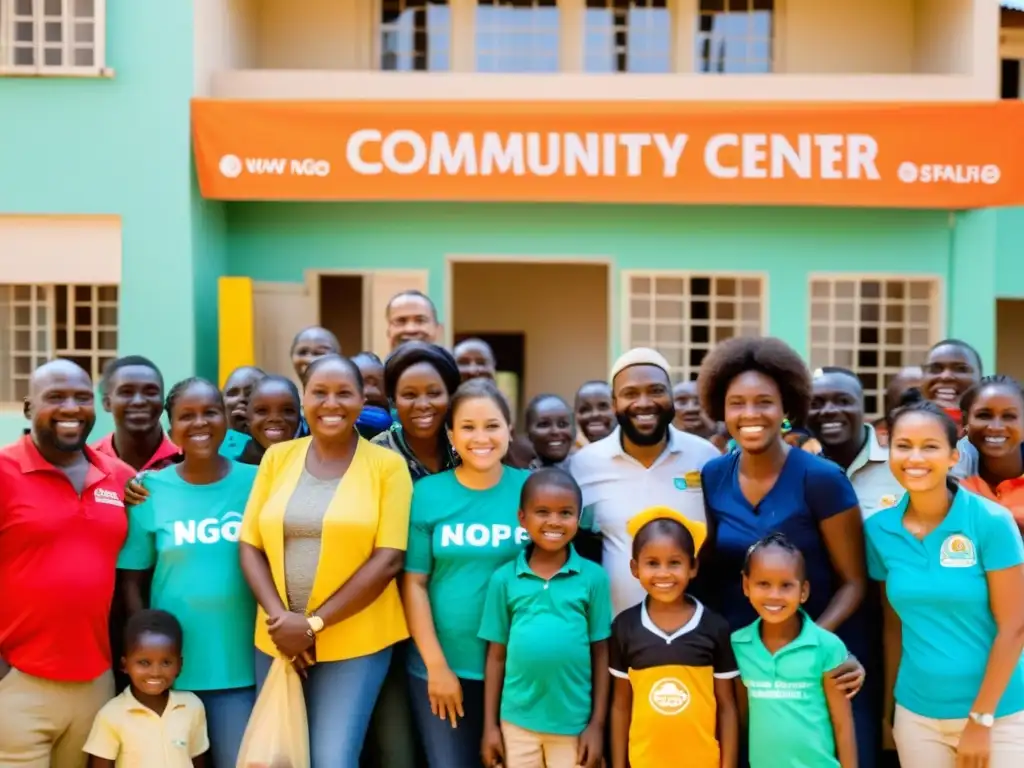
(836, 418)
(411, 316)
(644, 463)
(62, 524)
(132, 389)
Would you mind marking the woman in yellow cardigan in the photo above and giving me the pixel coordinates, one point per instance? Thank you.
(323, 538)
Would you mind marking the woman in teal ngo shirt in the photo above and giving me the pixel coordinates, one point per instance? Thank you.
(187, 528)
(952, 567)
(463, 527)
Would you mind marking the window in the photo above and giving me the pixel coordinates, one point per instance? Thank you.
(415, 35)
(734, 36)
(627, 36)
(874, 327)
(683, 315)
(41, 322)
(517, 36)
(58, 37)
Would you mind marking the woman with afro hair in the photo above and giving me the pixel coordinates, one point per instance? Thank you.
(765, 486)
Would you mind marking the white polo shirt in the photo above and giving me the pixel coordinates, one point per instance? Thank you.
(873, 482)
(616, 487)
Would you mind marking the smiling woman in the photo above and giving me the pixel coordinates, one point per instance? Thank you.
(550, 426)
(323, 537)
(187, 530)
(765, 487)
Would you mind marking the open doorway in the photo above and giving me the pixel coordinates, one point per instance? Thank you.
(557, 311)
(341, 309)
(1009, 353)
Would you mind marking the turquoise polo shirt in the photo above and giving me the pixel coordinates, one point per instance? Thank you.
(189, 534)
(790, 724)
(938, 588)
(548, 627)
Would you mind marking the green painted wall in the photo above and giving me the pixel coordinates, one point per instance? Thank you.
(277, 241)
(1010, 253)
(117, 146)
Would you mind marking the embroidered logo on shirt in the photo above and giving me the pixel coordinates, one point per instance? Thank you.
(669, 696)
(689, 481)
(103, 496)
(887, 501)
(957, 552)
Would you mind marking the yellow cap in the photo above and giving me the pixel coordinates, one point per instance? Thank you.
(697, 530)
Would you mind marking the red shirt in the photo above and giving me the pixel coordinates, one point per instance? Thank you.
(58, 554)
(164, 456)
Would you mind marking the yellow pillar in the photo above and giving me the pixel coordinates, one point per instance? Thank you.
(235, 325)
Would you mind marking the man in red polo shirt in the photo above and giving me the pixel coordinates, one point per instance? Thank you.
(133, 393)
(62, 524)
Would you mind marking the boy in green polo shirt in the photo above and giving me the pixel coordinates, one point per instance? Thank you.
(547, 620)
(797, 717)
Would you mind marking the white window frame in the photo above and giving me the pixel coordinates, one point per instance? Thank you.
(679, 372)
(39, 69)
(775, 42)
(377, 44)
(633, 48)
(48, 303)
(937, 319)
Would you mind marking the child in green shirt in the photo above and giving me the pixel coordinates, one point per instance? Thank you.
(547, 620)
(797, 717)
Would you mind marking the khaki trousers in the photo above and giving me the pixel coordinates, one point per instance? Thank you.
(923, 742)
(44, 724)
(527, 749)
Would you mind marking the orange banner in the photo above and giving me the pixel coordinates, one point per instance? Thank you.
(880, 155)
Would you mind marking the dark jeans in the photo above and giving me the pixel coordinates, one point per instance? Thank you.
(448, 747)
(339, 699)
(392, 741)
(227, 715)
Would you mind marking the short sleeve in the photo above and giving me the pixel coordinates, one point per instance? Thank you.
(827, 491)
(618, 655)
(104, 741)
(496, 621)
(876, 565)
(999, 541)
(198, 739)
(139, 550)
(599, 614)
(419, 555)
(833, 652)
(395, 500)
(261, 488)
(725, 666)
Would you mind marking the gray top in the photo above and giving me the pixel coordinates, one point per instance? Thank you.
(969, 460)
(303, 525)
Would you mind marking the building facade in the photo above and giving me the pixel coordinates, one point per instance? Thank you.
(109, 245)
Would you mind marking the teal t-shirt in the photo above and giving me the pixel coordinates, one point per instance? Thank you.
(790, 724)
(189, 533)
(938, 586)
(547, 628)
(459, 538)
(234, 443)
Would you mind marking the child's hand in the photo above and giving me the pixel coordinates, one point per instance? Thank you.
(591, 747)
(492, 748)
(135, 492)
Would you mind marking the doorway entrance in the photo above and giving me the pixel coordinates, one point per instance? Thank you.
(548, 322)
(1009, 321)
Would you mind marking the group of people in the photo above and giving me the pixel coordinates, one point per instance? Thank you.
(740, 570)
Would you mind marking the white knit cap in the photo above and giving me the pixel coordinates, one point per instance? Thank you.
(639, 356)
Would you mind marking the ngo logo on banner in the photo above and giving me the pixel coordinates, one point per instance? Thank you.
(208, 531)
(928, 156)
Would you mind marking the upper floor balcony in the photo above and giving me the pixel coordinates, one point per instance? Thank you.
(727, 50)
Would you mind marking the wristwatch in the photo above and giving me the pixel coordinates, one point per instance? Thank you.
(316, 625)
(984, 720)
